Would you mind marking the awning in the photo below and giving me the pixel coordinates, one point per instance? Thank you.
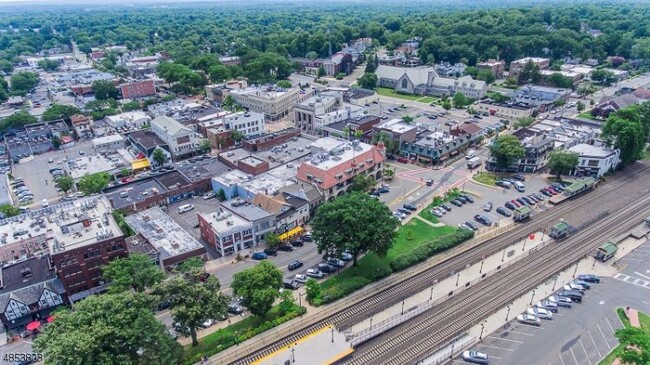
(140, 164)
(50, 319)
(290, 233)
(33, 326)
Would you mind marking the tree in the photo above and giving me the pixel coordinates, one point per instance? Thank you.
(627, 135)
(228, 103)
(370, 64)
(524, 122)
(221, 194)
(195, 298)
(559, 80)
(108, 329)
(368, 81)
(272, 240)
(559, 102)
(284, 84)
(191, 264)
(530, 73)
(362, 182)
(506, 149)
(258, 286)
(220, 73)
(65, 183)
(23, 82)
(135, 272)
(562, 162)
(459, 100)
(131, 106)
(205, 146)
(603, 77)
(94, 183)
(9, 210)
(56, 142)
(59, 111)
(321, 71)
(510, 82)
(237, 135)
(125, 171)
(580, 106)
(639, 351)
(313, 289)
(104, 89)
(48, 64)
(407, 119)
(345, 224)
(159, 156)
(485, 75)
(446, 105)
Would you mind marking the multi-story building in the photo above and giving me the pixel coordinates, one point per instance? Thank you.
(595, 161)
(447, 69)
(547, 75)
(250, 124)
(306, 112)
(138, 89)
(540, 96)
(335, 162)
(505, 110)
(230, 60)
(495, 66)
(437, 147)
(112, 142)
(425, 81)
(273, 102)
(537, 147)
(146, 142)
(361, 124)
(290, 211)
(517, 66)
(128, 120)
(181, 140)
(82, 125)
(218, 92)
(397, 131)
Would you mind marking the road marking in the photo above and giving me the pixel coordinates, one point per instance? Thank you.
(602, 334)
(561, 359)
(574, 356)
(641, 275)
(495, 357)
(498, 348)
(583, 349)
(643, 301)
(505, 339)
(600, 356)
(523, 333)
(610, 324)
(630, 259)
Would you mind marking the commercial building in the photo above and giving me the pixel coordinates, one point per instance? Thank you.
(138, 89)
(181, 140)
(146, 142)
(335, 162)
(218, 92)
(362, 124)
(397, 131)
(505, 110)
(272, 101)
(537, 147)
(82, 125)
(425, 81)
(540, 96)
(432, 148)
(250, 124)
(290, 211)
(595, 161)
(109, 143)
(132, 120)
(547, 75)
(495, 66)
(306, 112)
(173, 243)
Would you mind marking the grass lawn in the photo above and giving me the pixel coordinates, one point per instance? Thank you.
(586, 115)
(644, 319)
(426, 214)
(646, 155)
(427, 99)
(384, 91)
(487, 178)
(421, 232)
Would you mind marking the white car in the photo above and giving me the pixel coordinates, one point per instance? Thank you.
(300, 278)
(560, 301)
(475, 357)
(528, 319)
(574, 286)
(542, 313)
(547, 304)
(314, 273)
(207, 323)
(209, 195)
(44, 203)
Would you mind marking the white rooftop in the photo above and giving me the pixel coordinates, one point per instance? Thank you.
(223, 221)
(163, 233)
(588, 150)
(261, 92)
(108, 139)
(127, 116)
(329, 152)
(396, 125)
(91, 164)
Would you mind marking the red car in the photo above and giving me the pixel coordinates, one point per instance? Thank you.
(516, 203)
(550, 190)
(127, 179)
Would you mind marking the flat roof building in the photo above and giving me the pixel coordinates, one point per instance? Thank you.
(272, 101)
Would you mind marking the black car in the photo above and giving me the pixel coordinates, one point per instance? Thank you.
(429, 182)
(471, 225)
(503, 211)
(295, 265)
(589, 278)
(296, 243)
(557, 186)
(462, 199)
(456, 202)
(519, 177)
(307, 238)
(482, 219)
(285, 248)
(326, 268)
(510, 206)
(404, 211)
(271, 251)
(410, 207)
(542, 191)
(290, 284)
(468, 198)
(446, 207)
(539, 196)
(574, 295)
(528, 200)
(522, 201)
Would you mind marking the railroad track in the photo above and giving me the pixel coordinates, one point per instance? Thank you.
(414, 340)
(422, 278)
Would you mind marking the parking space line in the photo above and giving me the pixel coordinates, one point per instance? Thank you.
(574, 355)
(602, 334)
(561, 359)
(610, 324)
(600, 356)
(506, 339)
(523, 333)
(497, 347)
(585, 350)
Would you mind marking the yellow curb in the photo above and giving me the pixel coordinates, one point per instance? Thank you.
(315, 333)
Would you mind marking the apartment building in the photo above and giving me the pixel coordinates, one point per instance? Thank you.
(274, 102)
(182, 141)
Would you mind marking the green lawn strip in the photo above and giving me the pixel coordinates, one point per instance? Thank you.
(644, 319)
(488, 178)
(427, 99)
(383, 91)
(586, 115)
(238, 332)
(414, 234)
(426, 212)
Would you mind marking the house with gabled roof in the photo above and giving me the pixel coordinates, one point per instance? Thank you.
(424, 80)
(181, 140)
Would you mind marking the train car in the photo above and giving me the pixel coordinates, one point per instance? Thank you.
(606, 251)
(577, 187)
(560, 230)
(521, 213)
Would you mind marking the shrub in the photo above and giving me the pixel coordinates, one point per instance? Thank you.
(429, 249)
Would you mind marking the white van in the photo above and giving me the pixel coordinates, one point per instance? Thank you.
(185, 208)
(519, 186)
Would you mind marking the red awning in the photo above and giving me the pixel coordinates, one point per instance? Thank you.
(50, 319)
(140, 156)
(32, 326)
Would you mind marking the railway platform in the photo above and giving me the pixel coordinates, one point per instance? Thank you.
(325, 346)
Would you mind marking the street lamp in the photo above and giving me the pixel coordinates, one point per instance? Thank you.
(300, 299)
(480, 271)
(371, 323)
(332, 334)
(431, 295)
(457, 278)
(555, 282)
(403, 305)
(576, 270)
(482, 328)
(533, 297)
(524, 248)
(508, 313)
(293, 355)
(503, 257)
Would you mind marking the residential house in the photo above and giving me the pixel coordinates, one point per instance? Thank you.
(495, 66)
(449, 70)
(82, 125)
(311, 193)
(610, 104)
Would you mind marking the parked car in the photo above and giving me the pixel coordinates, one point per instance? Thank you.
(541, 313)
(307, 237)
(285, 248)
(383, 190)
(472, 226)
(346, 256)
(446, 207)
(589, 278)
(326, 268)
(516, 203)
(259, 256)
(315, 273)
(429, 182)
(528, 200)
(410, 207)
(271, 251)
(468, 198)
(482, 219)
(539, 196)
(545, 192)
(560, 301)
(462, 199)
(528, 319)
(575, 296)
(334, 262)
(456, 202)
(573, 286)
(504, 212)
(464, 225)
(487, 207)
(510, 206)
(235, 309)
(519, 177)
(207, 323)
(404, 211)
(209, 195)
(436, 212)
(295, 265)
(297, 243)
(475, 357)
(583, 284)
(290, 284)
(546, 304)
(522, 202)
(503, 184)
(301, 278)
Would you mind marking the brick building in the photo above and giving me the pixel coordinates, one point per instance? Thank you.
(138, 89)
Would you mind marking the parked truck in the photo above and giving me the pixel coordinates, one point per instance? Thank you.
(473, 162)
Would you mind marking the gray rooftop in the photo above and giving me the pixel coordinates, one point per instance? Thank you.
(245, 209)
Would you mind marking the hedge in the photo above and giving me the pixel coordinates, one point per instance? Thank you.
(429, 249)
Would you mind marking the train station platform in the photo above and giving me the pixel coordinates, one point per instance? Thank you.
(325, 346)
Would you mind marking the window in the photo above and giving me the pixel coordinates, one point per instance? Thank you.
(405, 84)
(593, 163)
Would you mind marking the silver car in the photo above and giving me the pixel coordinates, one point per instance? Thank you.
(560, 301)
(528, 319)
(542, 313)
(546, 304)
(314, 273)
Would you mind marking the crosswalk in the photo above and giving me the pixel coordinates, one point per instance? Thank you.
(632, 280)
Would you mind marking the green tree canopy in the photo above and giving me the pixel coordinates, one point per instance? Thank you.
(159, 156)
(135, 272)
(17, 120)
(105, 89)
(459, 100)
(368, 81)
(48, 64)
(23, 82)
(9, 210)
(94, 183)
(108, 329)
(65, 183)
(354, 222)
(363, 182)
(205, 146)
(195, 298)
(628, 135)
(258, 286)
(561, 81)
(639, 352)
(580, 106)
(524, 122)
(272, 240)
(131, 106)
(220, 73)
(59, 111)
(506, 149)
(284, 84)
(562, 162)
(603, 77)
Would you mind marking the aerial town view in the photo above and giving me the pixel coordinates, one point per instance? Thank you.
(325, 182)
